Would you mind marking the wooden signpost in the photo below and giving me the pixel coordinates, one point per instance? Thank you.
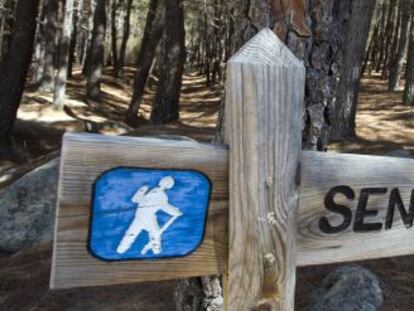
(146, 209)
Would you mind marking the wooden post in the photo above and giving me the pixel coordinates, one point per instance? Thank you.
(264, 109)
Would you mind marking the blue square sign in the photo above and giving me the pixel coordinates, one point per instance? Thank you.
(148, 213)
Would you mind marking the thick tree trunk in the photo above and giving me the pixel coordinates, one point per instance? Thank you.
(315, 32)
(357, 29)
(408, 96)
(396, 62)
(114, 36)
(96, 52)
(64, 49)
(154, 26)
(14, 69)
(125, 37)
(166, 103)
(46, 82)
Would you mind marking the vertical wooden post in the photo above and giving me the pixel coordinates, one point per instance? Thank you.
(264, 111)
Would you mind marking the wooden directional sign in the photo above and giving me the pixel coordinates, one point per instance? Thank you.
(352, 207)
(139, 209)
(146, 209)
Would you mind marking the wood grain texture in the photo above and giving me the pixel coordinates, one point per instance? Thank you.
(264, 108)
(323, 171)
(84, 158)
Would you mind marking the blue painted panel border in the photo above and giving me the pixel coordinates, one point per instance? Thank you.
(113, 212)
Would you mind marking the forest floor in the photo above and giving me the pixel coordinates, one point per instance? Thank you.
(39, 128)
(384, 126)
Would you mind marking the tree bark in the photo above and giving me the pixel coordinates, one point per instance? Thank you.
(382, 37)
(74, 36)
(46, 82)
(315, 32)
(90, 18)
(39, 50)
(125, 37)
(114, 37)
(166, 103)
(408, 95)
(7, 25)
(396, 62)
(14, 69)
(63, 61)
(96, 52)
(357, 29)
(389, 31)
(154, 27)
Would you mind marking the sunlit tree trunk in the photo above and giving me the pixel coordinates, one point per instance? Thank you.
(63, 61)
(47, 80)
(74, 37)
(39, 50)
(96, 52)
(396, 61)
(389, 31)
(408, 96)
(154, 26)
(344, 110)
(90, 17)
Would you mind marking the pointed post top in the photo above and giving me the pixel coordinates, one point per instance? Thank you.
(267, 49)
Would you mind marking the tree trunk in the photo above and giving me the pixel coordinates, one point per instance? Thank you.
(7, 25)
(166, 103)
(357, 29)
(74, 36)
(408, 96)
(114, 37)
(90, 17)
(14, 69)
(39, 51)
(46, 82)
(389, 31)
(64, 49)
(373, 39)
(382, 37)
(96, 52)
(152, 34)
(125, 37)
(315, 32)
(396, 62)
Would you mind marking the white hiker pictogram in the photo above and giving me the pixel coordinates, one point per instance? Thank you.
(149, 203)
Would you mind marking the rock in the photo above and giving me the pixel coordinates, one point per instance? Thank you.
(348, 288)
(27, 208)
